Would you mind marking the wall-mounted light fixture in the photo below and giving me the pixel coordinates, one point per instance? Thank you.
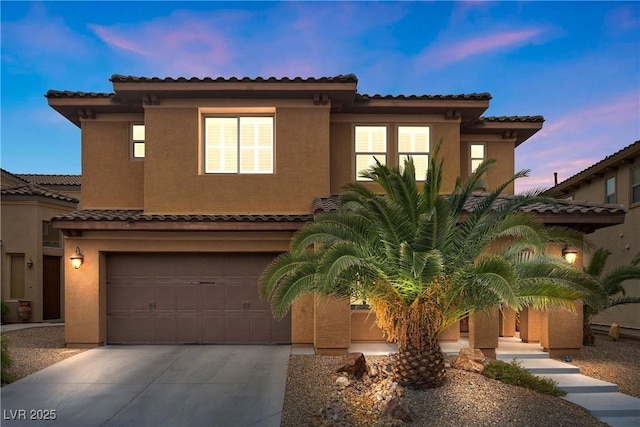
(77, 258)
(29, 263)
(569, 254)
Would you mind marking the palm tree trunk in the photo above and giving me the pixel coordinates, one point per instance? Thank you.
(420, 369)
(588, 337)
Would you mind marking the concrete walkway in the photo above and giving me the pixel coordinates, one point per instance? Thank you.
(154, 386)
(602, 399)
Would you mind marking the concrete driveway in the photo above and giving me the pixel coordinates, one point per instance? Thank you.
(154, 386)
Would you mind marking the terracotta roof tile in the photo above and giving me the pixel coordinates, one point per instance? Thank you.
(140, 216)
(344, 78)
(484, 96)
(331, 203)
(525, 119)
(51, 93)
(43, 179)
(35, 190)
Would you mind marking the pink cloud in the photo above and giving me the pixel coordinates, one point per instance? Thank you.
(575, 141)
(447, 52)
(624, 17)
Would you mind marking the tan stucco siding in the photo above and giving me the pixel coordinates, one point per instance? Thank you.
(496, 147)
(22, 234)
(175, 182)
(111, 179)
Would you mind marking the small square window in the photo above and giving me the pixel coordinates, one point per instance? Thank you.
(370, 144)
(137, 141)
(611, 190)
(478, 155)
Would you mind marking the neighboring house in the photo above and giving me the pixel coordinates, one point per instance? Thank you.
(31, 248)
(616, 180)
(192, 186)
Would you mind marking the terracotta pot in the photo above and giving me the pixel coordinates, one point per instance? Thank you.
(24, 309)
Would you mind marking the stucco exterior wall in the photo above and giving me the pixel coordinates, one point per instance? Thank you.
(111, 179)
(497, 148)
(175, 182)
(623, 240)
(86, 287)
(21, 227)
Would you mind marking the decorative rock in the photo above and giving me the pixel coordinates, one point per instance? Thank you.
(355, 365)
(399, 409)
(343, 382)
(470, 359)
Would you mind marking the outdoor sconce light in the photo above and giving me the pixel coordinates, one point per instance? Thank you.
(29, 263)
(569, 254)
(77, 258)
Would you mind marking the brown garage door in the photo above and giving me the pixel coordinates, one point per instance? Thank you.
(189, 298)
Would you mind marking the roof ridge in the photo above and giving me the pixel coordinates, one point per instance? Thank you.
(122, 78)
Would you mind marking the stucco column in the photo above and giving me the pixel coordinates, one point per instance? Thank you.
(530, 324)
(507, 322)
(452, 333)
(302, 319)
(484, 327)
(332, 331)
(561, 333)
(84, 310)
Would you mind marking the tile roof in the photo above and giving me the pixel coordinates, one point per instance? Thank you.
(35, 190)
(483, 96)
(512, 119)
(43, 179)
(344, 78)
(331, 203)
(140, 216)
(51, 93)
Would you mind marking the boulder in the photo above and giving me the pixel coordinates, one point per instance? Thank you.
(399, 409)
(470, 359)
(354, 365)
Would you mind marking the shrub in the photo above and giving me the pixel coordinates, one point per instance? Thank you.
(4, 312)
(5, 364)
(513, 373)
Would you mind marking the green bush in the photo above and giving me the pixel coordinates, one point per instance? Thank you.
(5, 364)
(4, 312)
(513, 373)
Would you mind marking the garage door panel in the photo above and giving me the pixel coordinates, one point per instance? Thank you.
(189, 298)
(213, 329)
(212, 298)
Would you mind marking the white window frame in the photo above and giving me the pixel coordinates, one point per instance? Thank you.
(381, 156)
(607, 194)
(414, 152)
(238, 146)
(473, 159)
(137, 142)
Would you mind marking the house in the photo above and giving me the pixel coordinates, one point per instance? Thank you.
(192, 186)
(31, 248)
(616, 180)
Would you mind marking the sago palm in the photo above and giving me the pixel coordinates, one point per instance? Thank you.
(423, 260)
(609, 292)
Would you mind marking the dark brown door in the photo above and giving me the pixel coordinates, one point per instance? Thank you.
(189, 298)
(51, 287)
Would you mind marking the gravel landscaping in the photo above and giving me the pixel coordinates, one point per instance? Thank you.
(467, 399)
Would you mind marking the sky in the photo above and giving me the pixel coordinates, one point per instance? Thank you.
(575, 63)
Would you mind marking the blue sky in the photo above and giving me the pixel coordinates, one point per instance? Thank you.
(575, 63)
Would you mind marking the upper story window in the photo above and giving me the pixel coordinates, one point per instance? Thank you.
(610, 190)
(635, 185)
(371, 142)
(50, 236)
(238, 145)
(414, 141)
(137, 141)
(478, 155)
